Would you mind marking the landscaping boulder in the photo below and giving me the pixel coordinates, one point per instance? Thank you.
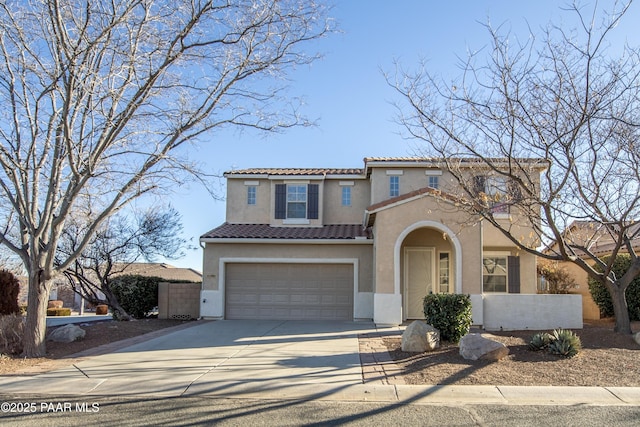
(420, 337)
(480, 346)
(67, 333)
(637, 337)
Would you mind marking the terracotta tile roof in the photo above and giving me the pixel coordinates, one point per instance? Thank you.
(295, 171)
(265, 231)
(441, 160)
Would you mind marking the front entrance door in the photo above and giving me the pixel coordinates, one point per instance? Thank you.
(419, 278)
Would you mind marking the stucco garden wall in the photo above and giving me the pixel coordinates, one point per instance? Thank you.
(534, 312)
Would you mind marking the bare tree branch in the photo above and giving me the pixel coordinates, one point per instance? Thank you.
(99, 96)
(561, 100)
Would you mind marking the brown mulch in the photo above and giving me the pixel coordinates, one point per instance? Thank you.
(97, 334)
(606, 360)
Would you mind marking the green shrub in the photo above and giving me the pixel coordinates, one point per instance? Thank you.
(564, 343)
(9, 290)
(601, 295)
(449, 313)
(11, 333)
(138, 295)
(540, 341)
(58, 312)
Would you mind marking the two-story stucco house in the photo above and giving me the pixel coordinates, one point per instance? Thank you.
(355, 244)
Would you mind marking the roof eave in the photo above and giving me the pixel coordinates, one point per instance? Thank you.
(253, 240)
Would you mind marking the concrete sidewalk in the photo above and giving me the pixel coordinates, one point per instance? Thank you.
(274, 360)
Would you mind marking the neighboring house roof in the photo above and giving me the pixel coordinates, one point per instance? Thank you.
(595, 237)
(265, 231)
(164, 271)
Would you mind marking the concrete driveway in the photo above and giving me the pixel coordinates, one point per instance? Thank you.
(229, 358)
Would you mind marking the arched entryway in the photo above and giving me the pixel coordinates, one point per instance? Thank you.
(428, 260)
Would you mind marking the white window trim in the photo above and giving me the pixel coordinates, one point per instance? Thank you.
(288, 220)
(433, 172)
(296, 221)
(395, 172)
(448, 253)
(346, 183)
(252, 183)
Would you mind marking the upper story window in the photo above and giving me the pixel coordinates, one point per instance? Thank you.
(433, 178)
(251, 195)
(434, 182)
(498, 192)
(394, 185)
(346, 196)
(296, 201)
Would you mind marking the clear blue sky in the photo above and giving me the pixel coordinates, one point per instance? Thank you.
(348, 95)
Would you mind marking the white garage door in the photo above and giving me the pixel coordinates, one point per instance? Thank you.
(289, 291)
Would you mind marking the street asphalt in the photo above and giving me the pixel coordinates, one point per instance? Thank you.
(268, 359)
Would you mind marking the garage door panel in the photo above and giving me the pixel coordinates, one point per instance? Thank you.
(289, 291)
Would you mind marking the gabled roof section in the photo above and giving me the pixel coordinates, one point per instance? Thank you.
(371, 211)
(295, 172)
(265, 231)
(416, 194)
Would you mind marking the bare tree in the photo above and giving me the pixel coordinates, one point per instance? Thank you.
(563, 101)
(118, 243)
(101, 98)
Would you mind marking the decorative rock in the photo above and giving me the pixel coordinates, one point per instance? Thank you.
(637, 337)
(67, 333)
(420, 337)
(479, 346)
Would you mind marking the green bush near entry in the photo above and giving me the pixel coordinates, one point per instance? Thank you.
(449, 313)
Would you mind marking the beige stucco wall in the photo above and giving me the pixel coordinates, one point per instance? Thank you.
(412, 178)
(334, 212)
(590, 310)
(178, 301)
(238, 211)
(362, 252)
(518, 227)
(393, 222)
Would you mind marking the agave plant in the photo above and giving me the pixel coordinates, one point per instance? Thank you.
(565, 343)
(539, 341)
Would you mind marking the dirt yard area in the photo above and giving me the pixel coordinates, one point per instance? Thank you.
(607, 359)
(97, 334)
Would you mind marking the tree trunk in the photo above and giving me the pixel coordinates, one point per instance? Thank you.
(620, 308)
(35, 327)
(119, 313)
